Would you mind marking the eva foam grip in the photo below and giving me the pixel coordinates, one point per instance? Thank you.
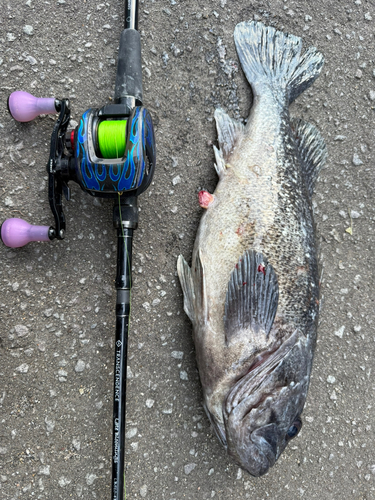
(129, 66)
(17, 233)
(24, 107)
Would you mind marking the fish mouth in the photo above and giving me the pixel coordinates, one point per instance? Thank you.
(256, 456)
(266, 440)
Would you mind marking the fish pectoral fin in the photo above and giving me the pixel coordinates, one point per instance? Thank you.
(312, 151)
(229, 132)
(252, 296)
(194, 288)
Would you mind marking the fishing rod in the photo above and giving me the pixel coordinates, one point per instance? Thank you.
(110, 154)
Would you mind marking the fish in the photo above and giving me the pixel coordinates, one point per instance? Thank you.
(252, 291)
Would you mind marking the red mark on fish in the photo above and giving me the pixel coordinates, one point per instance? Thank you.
(205, 199)
(262, 269)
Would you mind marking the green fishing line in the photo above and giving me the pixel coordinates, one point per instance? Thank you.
(112, 138)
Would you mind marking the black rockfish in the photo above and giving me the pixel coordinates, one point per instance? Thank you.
(252, 292)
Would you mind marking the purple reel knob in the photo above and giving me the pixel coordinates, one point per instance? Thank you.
(17, 233)
(24, 107)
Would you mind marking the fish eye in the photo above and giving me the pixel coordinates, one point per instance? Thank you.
(294, 429)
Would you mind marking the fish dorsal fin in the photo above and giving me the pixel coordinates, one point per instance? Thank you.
(229, 132)
(252, 296)
(312, 150)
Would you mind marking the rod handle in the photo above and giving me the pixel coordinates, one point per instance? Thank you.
(24, 107)
(16, 233)
(129, 67)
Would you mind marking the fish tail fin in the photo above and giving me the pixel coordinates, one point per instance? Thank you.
(268, 56)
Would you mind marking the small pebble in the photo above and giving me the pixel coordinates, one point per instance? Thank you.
(76, 443)
(50, 424)
(21, 330)
(32, 61)
(24, 368)
(44, 471)
(64, 481)
(340, 332)
(143, 491)
(147, 306)
(183, 375)
(189, 468)
(8, 202)
(131, 433)
(177, 354)
(333, 396)
(356, 160)
(28, 29)
(90, 478)
(331, 379)
(80, 366)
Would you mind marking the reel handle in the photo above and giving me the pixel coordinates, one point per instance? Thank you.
(24, 107)
(17, 233)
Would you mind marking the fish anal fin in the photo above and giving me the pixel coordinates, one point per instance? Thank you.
(201, 294)
(312, 150)
(229, 133)
(252, 297)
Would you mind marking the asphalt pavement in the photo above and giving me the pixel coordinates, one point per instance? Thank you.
(57, 300)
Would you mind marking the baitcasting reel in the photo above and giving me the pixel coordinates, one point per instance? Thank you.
(111, 151)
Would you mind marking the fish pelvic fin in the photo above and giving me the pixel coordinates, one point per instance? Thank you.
(252, 296)
(268, 56)
(187, 285)
(312, 150)
(230, 133)
(193, 287)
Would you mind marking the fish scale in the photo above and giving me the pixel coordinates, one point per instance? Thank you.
(252, 292)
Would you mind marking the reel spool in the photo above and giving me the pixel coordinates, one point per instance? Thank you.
(111, 138)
